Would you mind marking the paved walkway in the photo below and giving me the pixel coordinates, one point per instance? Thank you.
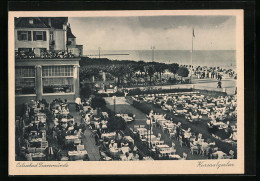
(122, 106)
(228, 85)
(88, 140)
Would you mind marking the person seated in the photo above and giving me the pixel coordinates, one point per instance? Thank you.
(76, 127)
(40, 125)
(112, 144)
(34, 127)
(28, 156)
(79, 133)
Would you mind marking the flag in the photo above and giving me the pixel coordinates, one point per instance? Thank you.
(193, 33)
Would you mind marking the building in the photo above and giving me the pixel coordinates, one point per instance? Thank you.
(46, 59)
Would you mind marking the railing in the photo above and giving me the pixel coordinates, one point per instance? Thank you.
(44, 55)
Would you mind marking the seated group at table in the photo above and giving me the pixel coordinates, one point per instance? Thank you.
(194, 106)
(32, 139)
(117, 146)
(62, 138)
(195, 142)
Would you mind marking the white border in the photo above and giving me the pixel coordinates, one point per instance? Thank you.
(138, 167)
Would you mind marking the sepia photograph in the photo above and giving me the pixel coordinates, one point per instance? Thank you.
(127, 90)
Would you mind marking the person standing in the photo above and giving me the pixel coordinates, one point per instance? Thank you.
(219, 84)
(96, 138)
(178, 130)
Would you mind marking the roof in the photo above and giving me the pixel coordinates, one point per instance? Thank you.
(41, 22)
(24, 23)
(69, 33)
(58, 22)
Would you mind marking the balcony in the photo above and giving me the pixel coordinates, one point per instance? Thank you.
(44, 55)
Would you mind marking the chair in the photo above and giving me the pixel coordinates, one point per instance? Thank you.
(204, 149)
(193, 149)
(184, 157)
(64, 153)
(64, 158)
(231, 153)
(173, 150)
(173, 144)
(77, 141)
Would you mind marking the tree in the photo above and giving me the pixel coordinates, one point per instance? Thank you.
(86, 90)
(94, 71)
(118, 71)
(150, 71)
(173, 68)
(140, 67)
(116, 123)
(88, 72)
(97, 103)
(129, 71)
(160, 68)
(183, 72)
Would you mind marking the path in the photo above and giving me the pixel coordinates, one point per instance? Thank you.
(228, 85)
(122, 106)
(88, 141)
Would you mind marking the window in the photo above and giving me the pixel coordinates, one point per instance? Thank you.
(57, 79)
(25, 50)
(39, 35)
(24, 35)
(24, 80)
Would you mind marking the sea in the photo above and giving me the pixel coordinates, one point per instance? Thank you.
(210, 58)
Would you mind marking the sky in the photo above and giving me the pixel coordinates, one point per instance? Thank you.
(163, 32)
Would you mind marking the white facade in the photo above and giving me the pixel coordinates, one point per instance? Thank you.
(32, 44)
(60, 38)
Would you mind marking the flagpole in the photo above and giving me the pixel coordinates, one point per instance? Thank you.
(191, 53)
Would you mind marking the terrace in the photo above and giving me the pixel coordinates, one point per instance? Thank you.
(46, 54)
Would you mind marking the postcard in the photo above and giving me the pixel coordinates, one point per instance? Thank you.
(126, 92)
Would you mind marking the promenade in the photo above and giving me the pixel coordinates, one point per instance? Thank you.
(228, 85)
(87, 140)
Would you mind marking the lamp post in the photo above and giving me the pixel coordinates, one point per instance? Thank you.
(99, 48)
(149, 124)
(152, 48)
(114, 98)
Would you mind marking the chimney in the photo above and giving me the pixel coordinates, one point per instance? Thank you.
(49, 22)
(64, 27)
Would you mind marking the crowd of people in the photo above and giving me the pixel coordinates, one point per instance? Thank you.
(213, 73)
(49, 133)
(113, 145)
(220, 113)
